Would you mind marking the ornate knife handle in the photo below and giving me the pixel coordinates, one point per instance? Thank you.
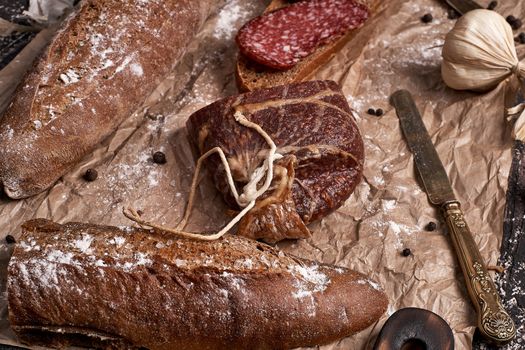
(494, 323)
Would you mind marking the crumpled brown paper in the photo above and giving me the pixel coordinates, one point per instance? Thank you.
(387, 212)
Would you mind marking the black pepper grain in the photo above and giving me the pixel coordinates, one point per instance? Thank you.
(371, 111)
(521, 38)
(453, 14)
(516, 24)
(427, 18)
(510, 19)
(492, 5)
(10, 239)
(379, 112)
(159, 158)
(406, 252)
(90, 175)
(431, 226)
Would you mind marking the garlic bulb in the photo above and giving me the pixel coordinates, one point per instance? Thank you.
(479, 52)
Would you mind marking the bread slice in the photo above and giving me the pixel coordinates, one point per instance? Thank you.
(109, 287)
(251, 75)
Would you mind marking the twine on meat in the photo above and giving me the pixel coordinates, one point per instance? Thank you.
(245, 200)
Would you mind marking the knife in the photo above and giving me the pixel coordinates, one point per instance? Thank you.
(494, 323)
(463, 6)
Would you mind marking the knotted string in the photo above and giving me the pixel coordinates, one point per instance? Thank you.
(245, 200)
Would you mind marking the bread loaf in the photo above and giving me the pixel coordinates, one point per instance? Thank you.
(109, 287)
(100, 66)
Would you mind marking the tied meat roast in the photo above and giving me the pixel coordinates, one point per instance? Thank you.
(314, 130)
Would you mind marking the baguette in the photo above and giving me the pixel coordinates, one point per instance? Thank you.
(108, 287)
(96, 71)
(252, 75)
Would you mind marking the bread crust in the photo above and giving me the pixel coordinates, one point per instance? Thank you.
(126, 288)
(100, 66)
(252, 76)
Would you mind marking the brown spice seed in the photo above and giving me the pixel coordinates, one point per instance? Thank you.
(406, 252)
(10, 239)
(431, 226)
(159, 157)
(379, 112)
(371, 111)
(492, 5)
(90, 175)
(521, 38)
(516, 24)
(427, 18)
(453, 14)
(510, 19)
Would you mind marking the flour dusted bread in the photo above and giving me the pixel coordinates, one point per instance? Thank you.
(114, 287)
(100, 66)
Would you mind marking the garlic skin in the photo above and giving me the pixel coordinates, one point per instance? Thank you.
(479, 52)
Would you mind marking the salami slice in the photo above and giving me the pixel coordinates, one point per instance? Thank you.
(280, 39)
(314, 131)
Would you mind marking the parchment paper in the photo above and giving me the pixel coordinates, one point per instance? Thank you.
(387, 212)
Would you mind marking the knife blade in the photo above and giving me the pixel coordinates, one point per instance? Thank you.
(494, 323)
(433, 174)
(463, 6)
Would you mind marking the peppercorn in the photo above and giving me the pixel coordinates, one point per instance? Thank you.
(521, 38)
(431, 226)
(371, 111)
(10, 239)
(406, 252)
(516, 24)
(492, 5)
(427, 18)
(379, 112)
(510, 19)
(159, 157)
(453, 14)
(90, 175)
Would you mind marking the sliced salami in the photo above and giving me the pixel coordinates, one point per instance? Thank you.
(314, 131)
(280, 39)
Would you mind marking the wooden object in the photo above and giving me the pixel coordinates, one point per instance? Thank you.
(413, 329)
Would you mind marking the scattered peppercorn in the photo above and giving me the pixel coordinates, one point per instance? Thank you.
(10, 239)
(406, 252)
(154, 116)
(371, 111)
(159, 157)
(510, 19)
(431, 226)
(379, 112)
(453, 14)
(427, 18)
(521, 38)
(492, 5)
(516, 24)
(90, 175)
